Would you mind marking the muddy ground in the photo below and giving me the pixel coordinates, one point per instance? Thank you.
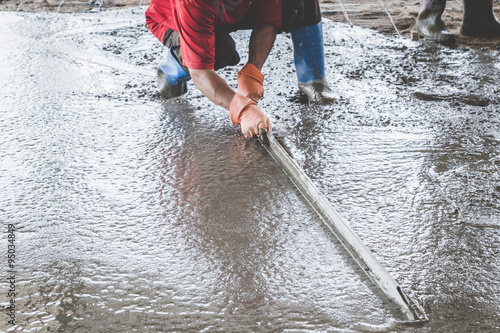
(365, 13)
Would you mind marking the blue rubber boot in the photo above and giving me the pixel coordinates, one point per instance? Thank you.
(309, 61)
(171, 77)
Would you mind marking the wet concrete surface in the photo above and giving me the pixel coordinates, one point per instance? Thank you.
(135, 214)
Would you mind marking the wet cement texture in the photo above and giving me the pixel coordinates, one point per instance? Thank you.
(134, 214)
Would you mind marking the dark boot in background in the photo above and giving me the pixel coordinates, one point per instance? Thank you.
(479, 19)
(429, 23)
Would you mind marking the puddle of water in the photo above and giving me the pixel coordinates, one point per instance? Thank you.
(140, 214)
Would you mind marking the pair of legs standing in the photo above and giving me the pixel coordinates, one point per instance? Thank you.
(478, 20)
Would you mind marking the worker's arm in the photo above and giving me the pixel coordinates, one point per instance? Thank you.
(212, 86)
(242, 110)
(250, 79)
(261, 43)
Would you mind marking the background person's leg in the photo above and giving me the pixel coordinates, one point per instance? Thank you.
(479, 19)
(430, 24)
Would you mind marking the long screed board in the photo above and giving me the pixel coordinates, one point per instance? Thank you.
(364, 257)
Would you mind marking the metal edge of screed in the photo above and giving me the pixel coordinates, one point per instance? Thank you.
(360, 253)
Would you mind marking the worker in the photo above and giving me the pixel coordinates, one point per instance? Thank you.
(196, 33)
(478, 20)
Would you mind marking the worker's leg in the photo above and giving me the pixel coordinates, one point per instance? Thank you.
(225, 51)
(309, 57)
(171, 75)
(429, 23)
(310, 62)
(479, 19)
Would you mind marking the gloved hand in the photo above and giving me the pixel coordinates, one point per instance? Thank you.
(245, 111)
(250, 82)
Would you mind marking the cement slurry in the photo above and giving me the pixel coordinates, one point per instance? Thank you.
(137, 214)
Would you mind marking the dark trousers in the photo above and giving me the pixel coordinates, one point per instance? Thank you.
(295, 14)
(225, 49)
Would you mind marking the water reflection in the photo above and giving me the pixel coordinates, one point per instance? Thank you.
(222, 192)
(462, 179)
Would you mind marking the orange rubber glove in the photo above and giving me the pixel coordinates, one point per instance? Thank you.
(245, 111)
(250, 82)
